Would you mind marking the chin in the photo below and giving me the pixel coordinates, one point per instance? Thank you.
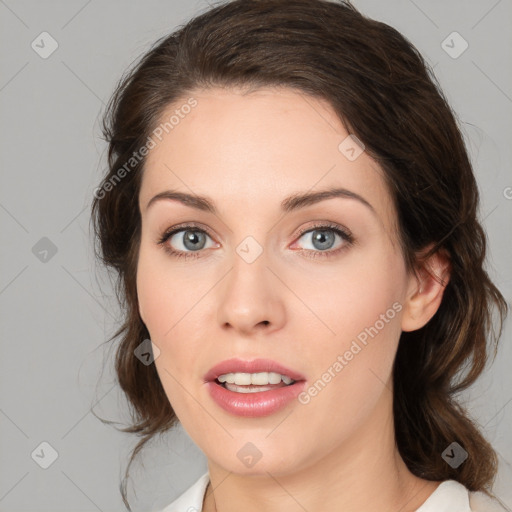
(258, 455)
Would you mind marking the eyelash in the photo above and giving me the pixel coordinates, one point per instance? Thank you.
(345, 234)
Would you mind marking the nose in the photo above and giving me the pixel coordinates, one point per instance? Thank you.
(251, 298)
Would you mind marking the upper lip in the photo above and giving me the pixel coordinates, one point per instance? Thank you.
(236, 365)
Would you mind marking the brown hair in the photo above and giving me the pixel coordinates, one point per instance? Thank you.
(384, 93)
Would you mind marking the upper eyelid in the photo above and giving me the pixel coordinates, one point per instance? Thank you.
(324, 225)
(345, 234)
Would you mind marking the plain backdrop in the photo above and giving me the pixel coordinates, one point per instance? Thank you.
(56, 306)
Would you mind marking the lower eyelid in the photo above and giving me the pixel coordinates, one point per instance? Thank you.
(346, 238)
(180, 233)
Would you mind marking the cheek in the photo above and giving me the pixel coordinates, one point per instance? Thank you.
(353, 348)
(163, 296)
(169, 306)
(153, 303)
(162, 307)
(351, 298)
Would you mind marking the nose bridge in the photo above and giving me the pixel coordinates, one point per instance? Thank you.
(248, 298)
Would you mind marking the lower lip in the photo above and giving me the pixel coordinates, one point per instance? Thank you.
(253, 405)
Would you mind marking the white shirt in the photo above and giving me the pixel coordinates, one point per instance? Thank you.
(450, 496)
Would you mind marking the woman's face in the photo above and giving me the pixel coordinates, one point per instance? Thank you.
(264, 276)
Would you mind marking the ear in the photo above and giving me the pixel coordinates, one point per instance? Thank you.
(425, 291)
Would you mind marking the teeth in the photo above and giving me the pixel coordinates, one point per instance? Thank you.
(258, 379)
(246, 389)
(287, 380)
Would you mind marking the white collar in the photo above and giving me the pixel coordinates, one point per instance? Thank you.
(450, 496)
(192, 498)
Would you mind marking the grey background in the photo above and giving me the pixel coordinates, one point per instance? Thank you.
(57, 309)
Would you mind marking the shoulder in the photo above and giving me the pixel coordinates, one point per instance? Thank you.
(449, 494)
(452, 496)
(480, 502)
(192, 499)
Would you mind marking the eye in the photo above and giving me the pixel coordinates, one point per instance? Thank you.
(188, 241)
(184, 241)
(322, 239)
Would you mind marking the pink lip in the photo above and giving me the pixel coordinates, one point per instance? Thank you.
(258, 404)
(256, 365)
(254, 405)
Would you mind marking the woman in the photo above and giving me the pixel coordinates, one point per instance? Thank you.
(292, 215)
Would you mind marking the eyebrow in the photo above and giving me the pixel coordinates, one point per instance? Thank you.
(291, 203)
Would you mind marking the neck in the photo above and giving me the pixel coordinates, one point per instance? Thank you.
(363, 473)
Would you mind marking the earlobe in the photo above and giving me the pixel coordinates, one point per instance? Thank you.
(426, 291)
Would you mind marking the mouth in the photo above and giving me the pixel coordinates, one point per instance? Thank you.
(253, 388)
(253, 382)
(239, 375)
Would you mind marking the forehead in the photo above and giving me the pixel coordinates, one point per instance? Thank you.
(250, 150)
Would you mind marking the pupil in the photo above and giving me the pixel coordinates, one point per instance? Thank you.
(321, 237)
(192, 238)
